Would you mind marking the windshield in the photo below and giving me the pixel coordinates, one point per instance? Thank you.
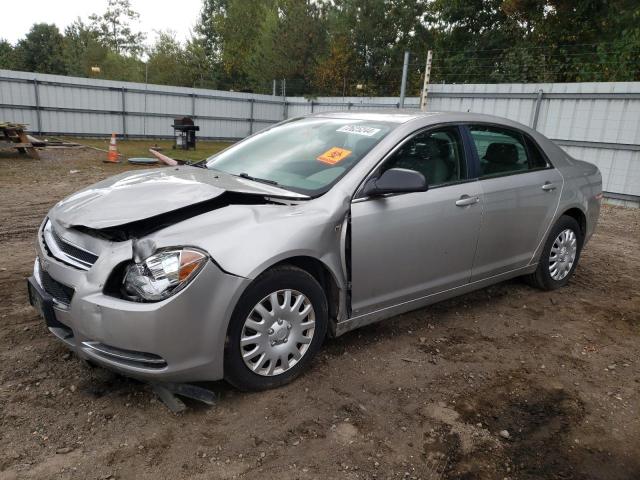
(306, 155)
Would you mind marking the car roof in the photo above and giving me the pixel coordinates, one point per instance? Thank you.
(407, 115)
(379, 115)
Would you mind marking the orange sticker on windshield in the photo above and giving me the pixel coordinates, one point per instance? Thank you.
(334, 155)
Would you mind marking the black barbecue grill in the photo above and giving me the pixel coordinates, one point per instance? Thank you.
(184, 132)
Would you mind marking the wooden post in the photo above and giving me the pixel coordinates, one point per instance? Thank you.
(425, 86)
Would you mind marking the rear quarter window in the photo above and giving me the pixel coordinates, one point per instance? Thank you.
(536, 158)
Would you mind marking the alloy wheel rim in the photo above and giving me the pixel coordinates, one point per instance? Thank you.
(277, 333)
(563, 254)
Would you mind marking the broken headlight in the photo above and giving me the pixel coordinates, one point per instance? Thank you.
(163, 273)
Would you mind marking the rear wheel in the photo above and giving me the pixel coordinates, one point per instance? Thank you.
(560, 255)
(276, 329)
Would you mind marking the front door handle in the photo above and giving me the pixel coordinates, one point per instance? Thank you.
(466, 200)
(548, 186)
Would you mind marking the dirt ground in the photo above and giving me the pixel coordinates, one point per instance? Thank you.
(505, 383)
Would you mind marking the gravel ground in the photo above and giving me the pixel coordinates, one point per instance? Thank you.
(507, 382)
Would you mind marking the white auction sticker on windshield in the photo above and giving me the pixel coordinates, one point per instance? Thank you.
(359, 130)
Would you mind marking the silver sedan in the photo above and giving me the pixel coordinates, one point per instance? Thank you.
(238, 267)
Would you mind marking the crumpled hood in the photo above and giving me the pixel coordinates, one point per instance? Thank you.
(134, 196)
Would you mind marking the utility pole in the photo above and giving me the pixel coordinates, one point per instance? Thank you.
(285, 107)
(425, 86)
(274, 87)
(146, 87)
(403, 85)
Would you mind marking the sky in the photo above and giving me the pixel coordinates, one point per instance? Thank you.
(177, 15)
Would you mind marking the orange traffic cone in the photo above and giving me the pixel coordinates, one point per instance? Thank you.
(112, 156)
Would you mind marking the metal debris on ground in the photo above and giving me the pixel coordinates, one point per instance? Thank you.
(167, 393)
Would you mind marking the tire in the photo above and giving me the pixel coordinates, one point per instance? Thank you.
(278, 330)
(543, 277)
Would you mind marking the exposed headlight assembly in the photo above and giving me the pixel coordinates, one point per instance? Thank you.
(163, 274)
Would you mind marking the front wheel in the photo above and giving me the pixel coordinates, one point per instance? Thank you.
(276, 329)
(559, 256)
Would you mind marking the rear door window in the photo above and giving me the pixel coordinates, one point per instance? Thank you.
(503, 151)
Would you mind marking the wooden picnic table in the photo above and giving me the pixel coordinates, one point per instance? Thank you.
(12, 135)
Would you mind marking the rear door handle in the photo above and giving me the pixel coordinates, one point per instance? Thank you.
(466, 200)
(548, 186)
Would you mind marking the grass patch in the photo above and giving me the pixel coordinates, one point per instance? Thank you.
(140, 147)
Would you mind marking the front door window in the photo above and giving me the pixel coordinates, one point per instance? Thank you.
(437, 154)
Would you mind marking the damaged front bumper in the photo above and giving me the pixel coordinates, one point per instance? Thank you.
(179, 339)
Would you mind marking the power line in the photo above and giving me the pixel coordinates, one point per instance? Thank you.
(529, 47)
(532, 73)
(535, 65)
(547, 54)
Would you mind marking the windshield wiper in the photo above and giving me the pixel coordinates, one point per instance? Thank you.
(256, 179)
(199, 164)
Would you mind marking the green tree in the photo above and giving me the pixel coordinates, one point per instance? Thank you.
(114, 28)
(170, 63)
(335, 70)
(209, 27)
(291, 40)
(329, 46)
(202, 69)
(7, 55)
(120, 67)
(240, 28)
(42, 50)
(229, 31)
(166, 63)
(82, 49)
(378, 32)
(536, 40)
(590, 41)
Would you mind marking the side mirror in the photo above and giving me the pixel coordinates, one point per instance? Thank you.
(395, 180)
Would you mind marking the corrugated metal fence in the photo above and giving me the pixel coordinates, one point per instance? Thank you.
(598, 122)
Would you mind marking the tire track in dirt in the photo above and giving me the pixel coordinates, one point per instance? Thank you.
(21, 222)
